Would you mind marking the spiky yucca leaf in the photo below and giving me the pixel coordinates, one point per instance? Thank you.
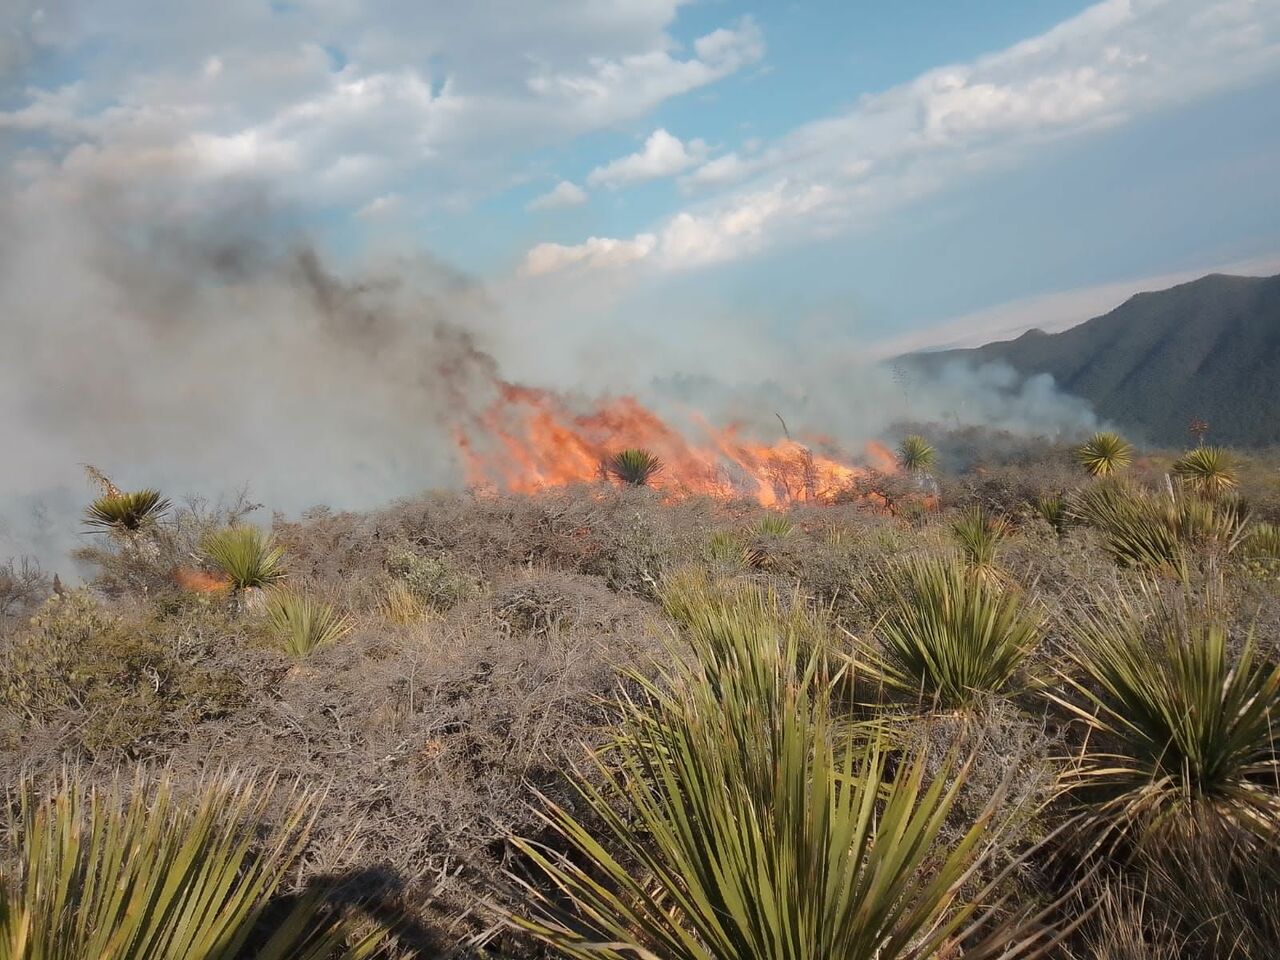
(247, 556)
(979, 535)
(1105, 453)
(1185, 741)
(729, 822)
(951, 637)
(139, 874)
(634, 467)
(1052, 508)
(127, 511)
(1209, 471)
(915, 454)
(301, 624)
(1160, 532)
(1262, 544)
(775, 525)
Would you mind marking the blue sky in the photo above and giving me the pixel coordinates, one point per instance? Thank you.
(873, 170)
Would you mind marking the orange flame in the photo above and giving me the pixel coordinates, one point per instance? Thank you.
(199, 581)
(528, 439)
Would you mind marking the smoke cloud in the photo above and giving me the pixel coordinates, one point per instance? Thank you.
(184, 334)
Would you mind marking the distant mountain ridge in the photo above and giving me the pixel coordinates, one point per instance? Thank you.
(1209, 348)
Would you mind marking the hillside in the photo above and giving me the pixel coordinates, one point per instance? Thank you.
(1209, 349)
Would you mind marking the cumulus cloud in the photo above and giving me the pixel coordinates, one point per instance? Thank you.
(335, 106)
(595, 252)
(566, 193)
(663, 155)
(1113, 61)
(631, 85)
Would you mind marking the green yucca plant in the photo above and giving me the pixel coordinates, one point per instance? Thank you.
(1184, 740)
(139, 874)
(1105, 453)
(723, 617)
(634, 467)
(776, 526)
(979, 535)
(915, 454)
(1158, 531)
(1209, 471)
(950, 637)
(725, 547)
(728, 821)
(1052, 508)
(301, 624)
(1262, 542)
(126, 512)
(245, 555)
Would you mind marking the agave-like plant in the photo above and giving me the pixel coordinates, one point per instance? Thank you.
(728, 821)
(301, 624)
(1184, 741)
(634, 467)
(1104, 454)
(1160, 532)
(1052, 508)
(245, 555)
(126, 512)
(979, 535)
(1209, 471)
(949, 637)
(915, 454)
(776, 526)
(1262, 543)
(140, 874)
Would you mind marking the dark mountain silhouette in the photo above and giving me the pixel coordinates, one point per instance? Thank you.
(1207, 349)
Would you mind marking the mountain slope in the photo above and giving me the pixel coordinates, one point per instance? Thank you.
(1209, 348)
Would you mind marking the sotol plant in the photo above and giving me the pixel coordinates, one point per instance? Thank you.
(730, 821)
(245, 555)
(1209, 471)
(139, 874)
(1104, 454)
(979, 535)
(950, 637)
(1159, 532)
(301, 624)
(1184, 741)
(634, 467)
(915, 454)
(126, 512)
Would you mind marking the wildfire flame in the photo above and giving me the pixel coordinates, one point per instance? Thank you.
(528, 439)
(199, 581)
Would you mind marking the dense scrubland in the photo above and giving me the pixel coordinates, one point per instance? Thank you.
(1015, 699)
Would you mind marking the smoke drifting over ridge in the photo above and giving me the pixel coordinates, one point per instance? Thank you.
(189, 338)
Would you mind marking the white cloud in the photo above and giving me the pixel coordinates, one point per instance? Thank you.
(722, 170)
(663, 155)
(1115, 60)
(447, 104)
(613, 88)
(687, 240)
(566, 193)
(595, 252)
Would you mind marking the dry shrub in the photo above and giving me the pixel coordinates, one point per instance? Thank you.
(23, 586)
(94, 681)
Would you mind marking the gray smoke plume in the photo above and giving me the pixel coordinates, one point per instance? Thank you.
(187, 336)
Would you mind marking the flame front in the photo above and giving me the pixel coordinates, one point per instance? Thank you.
(528, 439)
